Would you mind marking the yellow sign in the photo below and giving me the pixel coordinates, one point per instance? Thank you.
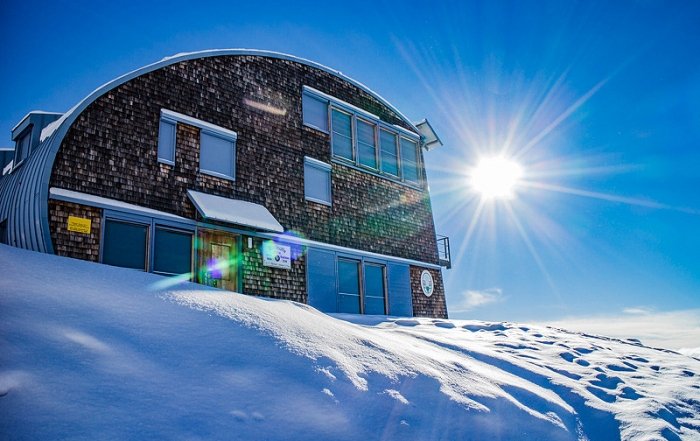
(79, 224)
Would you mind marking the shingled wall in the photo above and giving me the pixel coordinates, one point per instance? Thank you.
(111, 151)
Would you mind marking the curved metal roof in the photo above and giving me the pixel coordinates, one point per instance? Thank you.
(24, 193)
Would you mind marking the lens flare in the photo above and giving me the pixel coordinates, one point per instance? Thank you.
(496, 178)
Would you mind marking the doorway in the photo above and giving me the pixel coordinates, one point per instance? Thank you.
(219, 258)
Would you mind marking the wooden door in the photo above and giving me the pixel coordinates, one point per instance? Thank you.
(218, 259)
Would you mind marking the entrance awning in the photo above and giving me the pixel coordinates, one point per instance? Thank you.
(234, 211)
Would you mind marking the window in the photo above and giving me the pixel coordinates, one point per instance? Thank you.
(166, 141)
(315, 112)
(361, 139)
(217, 155)
(375, 292)
(172, 251)
(3, 232)
(317, 181)
(348, 286)
(125, 244)
(342, 134)
(390, 160)
(409, 159)
(366, 144)
(22, 146)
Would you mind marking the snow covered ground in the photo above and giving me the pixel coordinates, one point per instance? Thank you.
(93, 352)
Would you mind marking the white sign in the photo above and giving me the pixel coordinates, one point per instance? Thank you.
(276, 255)
(426, 283)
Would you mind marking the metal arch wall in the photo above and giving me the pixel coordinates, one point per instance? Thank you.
(24, 202)
(24, 193)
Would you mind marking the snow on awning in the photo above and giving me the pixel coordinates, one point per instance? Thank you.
(234, 211)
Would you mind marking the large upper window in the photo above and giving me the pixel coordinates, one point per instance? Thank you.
(166, 141)
(361, 139)
(342, 134)
(317, 181)
(409, 159)
(366, 143)
(217, 145)
(390, 157)
(315, 112)
(217, 155)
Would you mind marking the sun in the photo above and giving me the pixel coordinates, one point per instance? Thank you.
(496, 177)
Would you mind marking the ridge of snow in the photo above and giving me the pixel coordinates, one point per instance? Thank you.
(91, 351)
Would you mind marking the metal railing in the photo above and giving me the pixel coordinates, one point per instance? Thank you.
(443, 245)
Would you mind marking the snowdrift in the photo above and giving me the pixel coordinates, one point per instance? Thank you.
(89, 351)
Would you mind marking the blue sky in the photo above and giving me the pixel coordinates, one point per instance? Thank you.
(600, 101)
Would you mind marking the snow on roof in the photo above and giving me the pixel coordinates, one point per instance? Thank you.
(7, 149)
(183, 56)
(98, 201)
(34, 112)
(234, 211)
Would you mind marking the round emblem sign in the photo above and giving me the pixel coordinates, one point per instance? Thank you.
(426, 283)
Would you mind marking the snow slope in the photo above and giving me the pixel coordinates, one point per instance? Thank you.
(93, 352)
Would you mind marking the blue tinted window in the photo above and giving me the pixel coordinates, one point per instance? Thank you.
(409, 159)
(217, 155)
(166, 141)
(342, 134)
(317, 182)
(366, 145)
(315, 112)
(124, 244)
(374, 289)
(172, 251)
(390, 163)
(348, 286)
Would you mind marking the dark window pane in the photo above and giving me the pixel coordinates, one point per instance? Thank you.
(342, 134)
(315, 112)
(172, 251)
(125, 245)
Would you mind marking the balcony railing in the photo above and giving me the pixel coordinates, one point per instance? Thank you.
(443, 245)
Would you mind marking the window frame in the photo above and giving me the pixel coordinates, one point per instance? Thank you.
(214, 173)
(375, 138)
(419, 173)
(313, 96)
(211, 130)
(353, 137)
(385, 296)
(160, 226)
(367, 117)
(22, 153)
(319, 165)
(164, 119)
(132, 220)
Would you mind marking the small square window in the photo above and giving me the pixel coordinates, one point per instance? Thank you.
(315, 112)
(317, 181)
(217, 155)
(166, 141)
